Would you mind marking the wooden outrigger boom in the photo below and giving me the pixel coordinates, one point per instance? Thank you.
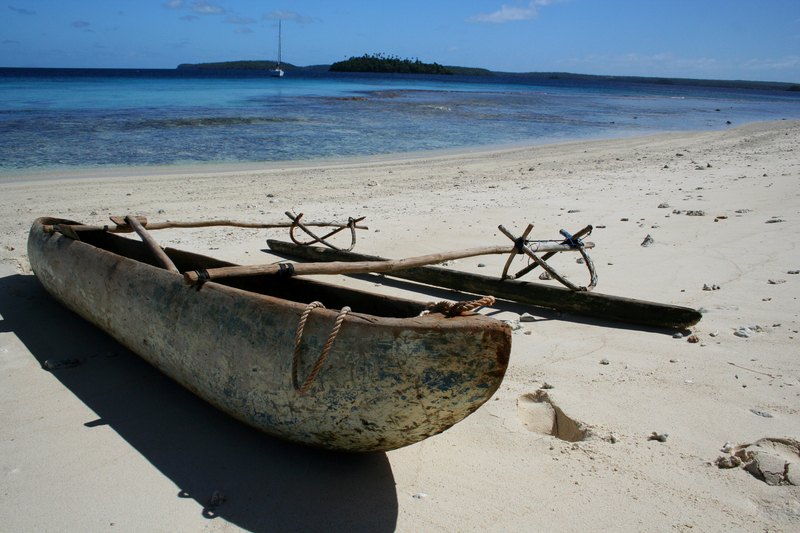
(359, 267)
(584, 303)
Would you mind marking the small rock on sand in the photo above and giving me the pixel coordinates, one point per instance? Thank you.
(217, 499)
(648, 241)
(59, 364)
(728, 462)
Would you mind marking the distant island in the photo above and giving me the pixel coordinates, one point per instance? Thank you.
(389, 64)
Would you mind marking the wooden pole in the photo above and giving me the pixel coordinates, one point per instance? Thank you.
(126, 228)
(561, 299)
(306, 269)
(151, 243)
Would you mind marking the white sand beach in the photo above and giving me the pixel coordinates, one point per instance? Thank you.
(113, 445)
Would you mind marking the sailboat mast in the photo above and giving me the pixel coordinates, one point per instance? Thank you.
(279, 43)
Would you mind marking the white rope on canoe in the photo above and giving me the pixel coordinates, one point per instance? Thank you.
(321, 359)
(458, 308)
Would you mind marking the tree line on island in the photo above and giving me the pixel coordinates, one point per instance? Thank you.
(380, 63)
(388, 64)
(366, 63)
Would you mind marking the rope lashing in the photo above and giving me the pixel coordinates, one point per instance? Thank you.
(458, 308)
(321, 359)
(568, 239)
(286, 270)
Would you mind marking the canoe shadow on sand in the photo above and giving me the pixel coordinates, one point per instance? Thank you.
(269, 484)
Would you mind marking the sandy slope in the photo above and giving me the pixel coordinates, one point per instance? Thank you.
(112, 441)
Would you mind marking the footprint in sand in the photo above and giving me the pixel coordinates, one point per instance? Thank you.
(537, 413)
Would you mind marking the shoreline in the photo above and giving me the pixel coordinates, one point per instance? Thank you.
(35, 174)
(112, 436)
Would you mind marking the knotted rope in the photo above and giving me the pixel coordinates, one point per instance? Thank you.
(458, 308)
(325, 350)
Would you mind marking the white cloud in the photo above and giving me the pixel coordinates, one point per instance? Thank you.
(511, 13)
(282, 14)
(233, 19)
(175, 4)
(787, 62)
(206, 8)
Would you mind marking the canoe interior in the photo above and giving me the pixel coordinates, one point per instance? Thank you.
(292, 289)
(391, 379)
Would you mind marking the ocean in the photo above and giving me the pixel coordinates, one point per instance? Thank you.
(69, 119)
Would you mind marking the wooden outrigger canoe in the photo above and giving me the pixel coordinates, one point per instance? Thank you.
(391, 378)
(583, 303)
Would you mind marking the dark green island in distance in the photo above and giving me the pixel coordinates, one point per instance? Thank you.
(388, 65)
(379, 63)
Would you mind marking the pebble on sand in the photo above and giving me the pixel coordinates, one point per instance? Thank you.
(217, 499)
(59, 364)
(660, 437)
(648, 241)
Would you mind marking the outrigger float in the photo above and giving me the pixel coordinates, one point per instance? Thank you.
(570, 299)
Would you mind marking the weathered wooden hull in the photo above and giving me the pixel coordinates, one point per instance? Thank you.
(391, 379)
(592, 304)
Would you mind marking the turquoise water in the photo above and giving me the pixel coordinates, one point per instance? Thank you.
(54, 119)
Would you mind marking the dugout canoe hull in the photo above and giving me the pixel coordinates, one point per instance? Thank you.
(392, 378)
(593, 304)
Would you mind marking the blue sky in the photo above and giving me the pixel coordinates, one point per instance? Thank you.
(732, 39)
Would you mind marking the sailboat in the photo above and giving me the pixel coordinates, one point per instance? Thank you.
(277, 72)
